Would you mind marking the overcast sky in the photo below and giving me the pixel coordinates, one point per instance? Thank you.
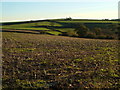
(29, 10)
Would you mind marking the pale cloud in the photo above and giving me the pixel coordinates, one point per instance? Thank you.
(97, 15)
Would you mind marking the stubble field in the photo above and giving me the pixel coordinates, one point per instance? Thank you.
(45, 61)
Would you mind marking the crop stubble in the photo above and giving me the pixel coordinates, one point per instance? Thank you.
(45, 61)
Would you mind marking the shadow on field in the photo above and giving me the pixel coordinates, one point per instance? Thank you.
(73, 25)
(52, 26)
(29, 32)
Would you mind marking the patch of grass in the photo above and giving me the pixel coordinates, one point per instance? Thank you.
(33, 28)
(30, 26)
(66, 29)
(54, 32)
(89, 21)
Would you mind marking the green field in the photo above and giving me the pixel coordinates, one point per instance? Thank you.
(56, 27)
(90, 21)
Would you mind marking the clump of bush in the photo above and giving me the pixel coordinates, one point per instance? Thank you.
(69, 18)
(91, 35)
(96, 32)
(81, 30)
(42, 32)
(71, 34)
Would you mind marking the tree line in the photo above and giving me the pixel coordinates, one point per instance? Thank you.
(82, 31)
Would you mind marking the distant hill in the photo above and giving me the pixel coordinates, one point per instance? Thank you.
(65, 27)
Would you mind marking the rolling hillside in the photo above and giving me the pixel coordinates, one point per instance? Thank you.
(57, 26)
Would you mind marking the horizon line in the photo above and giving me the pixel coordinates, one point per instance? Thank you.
(61, 18)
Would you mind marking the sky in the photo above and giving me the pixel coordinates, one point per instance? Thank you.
(15, 10)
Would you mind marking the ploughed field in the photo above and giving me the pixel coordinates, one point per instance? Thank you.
(45, 61)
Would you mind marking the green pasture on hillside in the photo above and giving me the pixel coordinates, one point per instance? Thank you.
(55, 27)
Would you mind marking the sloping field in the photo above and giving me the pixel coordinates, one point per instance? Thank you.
(56, 27)
(91, 21)
(45, 61)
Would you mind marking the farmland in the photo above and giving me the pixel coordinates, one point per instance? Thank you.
(50, 54)
(40, 61)
(60, 26)
(71, 45)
